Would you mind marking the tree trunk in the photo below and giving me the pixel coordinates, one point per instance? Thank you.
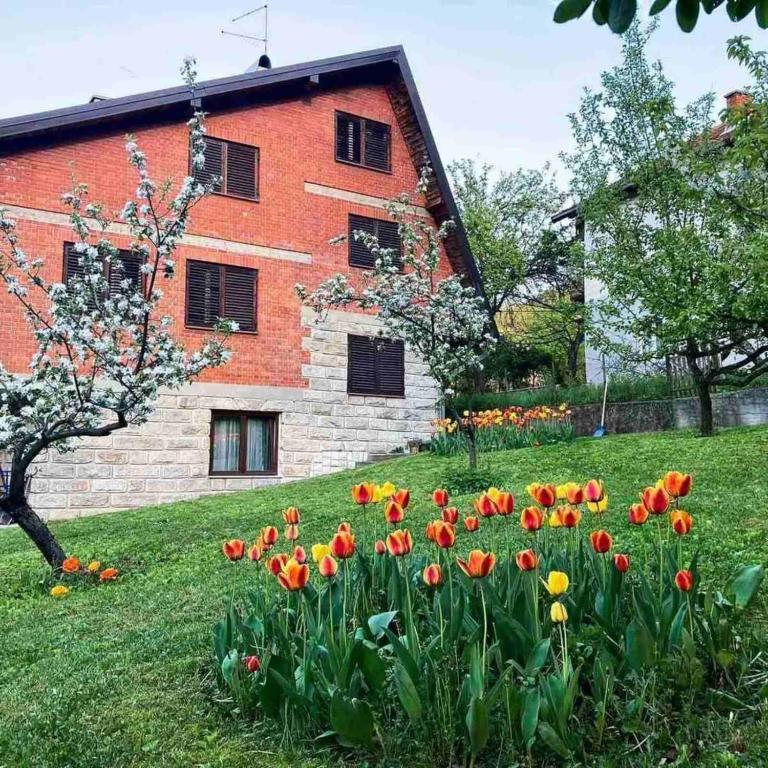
(705, 404)
(29, 522)
(472, 448)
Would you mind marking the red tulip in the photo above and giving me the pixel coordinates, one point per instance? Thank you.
(403, 497)
(399, 543)
(440, 497)
(527, 560)
(471, 523)
(569, 517)
(343, 545)
(394, 513)
(478, 565)
(444, 534)
(601, 541)
(328, 567)
(621, 563)
(677, 484)
(294, 576)
(344, 528)
(380, 547)
(291, 532)
(254, 553)
(485, 506)
(594, 491)
(363, 493)
(432, 575)
(656, 500)
(450, 515)
(234, 549)
(546, 495)
(291, 516)
(505, 504)
(531, 519)
(684, 581)
(300, 555)
(252, 663)
(575, 494)
(276, 563)
(638, 514)
(681, 522)
(430, 531)
(269, 536)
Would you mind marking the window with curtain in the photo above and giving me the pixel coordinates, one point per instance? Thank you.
(243, 443)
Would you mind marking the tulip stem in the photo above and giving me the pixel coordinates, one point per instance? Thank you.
(485, 623)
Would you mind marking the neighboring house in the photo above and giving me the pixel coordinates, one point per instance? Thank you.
(306, 152)
(597, 364)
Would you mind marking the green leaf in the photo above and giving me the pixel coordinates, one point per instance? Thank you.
(229, 665)
(408, 694)
(571, 9)
(552, 740)
(639, 645)
(404, 656)
(745, 583)
(378, 623)
(687, 14)
(529, 718)
(658, 6)
(600, 12)
(739, 9)
(761, 14)
(352, 720)
(621, 14)
(372, 666)
(538, 657)
(478, 724)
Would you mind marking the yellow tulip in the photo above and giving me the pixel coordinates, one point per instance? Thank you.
(562, 491)
(319, 551)
(493, 494)
(557, 583)
(554, 521)
(557, 613)
(598, 507)
(59, 591)
(387, 489)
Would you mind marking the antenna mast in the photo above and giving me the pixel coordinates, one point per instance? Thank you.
(264, 61)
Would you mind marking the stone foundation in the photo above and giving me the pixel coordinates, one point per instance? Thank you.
(321, 429)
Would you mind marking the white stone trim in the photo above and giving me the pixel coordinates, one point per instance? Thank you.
(195, 241)
(356, 197)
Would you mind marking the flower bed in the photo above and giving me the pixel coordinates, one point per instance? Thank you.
(392, 641)
(500, 430)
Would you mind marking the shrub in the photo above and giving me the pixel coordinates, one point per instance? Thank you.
(555, 650)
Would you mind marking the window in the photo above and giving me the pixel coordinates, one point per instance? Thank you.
(235, 165)
(386, 232)
(131, 268)
(220, 291)
(362, 142)
(375, 366)
(243, 443)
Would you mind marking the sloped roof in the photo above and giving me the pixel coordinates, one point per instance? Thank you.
(388, 66)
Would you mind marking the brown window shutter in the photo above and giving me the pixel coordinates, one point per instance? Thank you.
(73, 268)
(390, 367)
(348, 138)
(361, 365)
(214, 164)
(240, 297)
(241, 164)
(131, 263)
(203, 293)
(376, 145)
(375, 366)
(388, 236)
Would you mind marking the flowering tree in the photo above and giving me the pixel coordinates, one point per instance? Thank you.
(443, 320)
(103, 349)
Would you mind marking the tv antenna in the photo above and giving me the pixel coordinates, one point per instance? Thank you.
(264, 60)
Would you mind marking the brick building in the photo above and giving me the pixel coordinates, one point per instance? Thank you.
(305, 152)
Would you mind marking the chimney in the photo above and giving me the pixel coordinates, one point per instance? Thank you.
(736, 99)
(263, 63)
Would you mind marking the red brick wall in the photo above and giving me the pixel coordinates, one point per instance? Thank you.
(296, 144)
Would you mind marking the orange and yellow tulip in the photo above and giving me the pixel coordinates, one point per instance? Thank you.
(432, 575)
(328, 567)
(601, 541)
(109, 574)
(364, 493)
(531, 519)
(293, 576)
(394, 513)
(546, 495)
(485, 507)
(471, 523)
(72, 564)
(681, 522)
(444, 534)
(233, 550)
(569, 516)
(291, 516)
(527, 560)
(276, 563)
(478, 565)
(574, 493)
(342, 545)
(402, 496)
(344, 527)
(380, 547)
(656, 500)
(450, 515)
(440, 497)
(621, 563)
(399, 543)
(638, 514)
(594, 491)
(684, 581)
(676, 484)
(269, 536)
(291, 532)
(505, 503)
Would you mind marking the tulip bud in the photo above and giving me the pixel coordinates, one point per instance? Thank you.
(432, 575)
(444, 534)
(505, 504)
(621, 563)
(380, 547)
(343, 545)
(471, 523)
(594, 491)
(484, 506)
(276, 563)
(328, 567)
(254, 553)
(527, 560)
(300, 555)
(363, 494)
(252, 663)
(601, 541)
(399, 543)
(638, 514)
(319, 551)
(269, 536)
(344, 528)
(656, 500)
(557, 583)
(531, 519)
(393, 513)
(450, 515)
(440, 497)
(684, 581)
(558, 613)
(291, 532)
(681, 522)
(233, 550)
(546, 495)
(478, 565)
(291, 516)
(574, 493)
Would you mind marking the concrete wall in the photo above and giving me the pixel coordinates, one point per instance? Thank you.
(321, 429)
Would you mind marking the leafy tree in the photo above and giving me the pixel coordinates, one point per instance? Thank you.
(103, 349)
(443, 320)
(673, 209)
(619, 14)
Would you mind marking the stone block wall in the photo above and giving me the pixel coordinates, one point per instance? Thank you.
(321, 429)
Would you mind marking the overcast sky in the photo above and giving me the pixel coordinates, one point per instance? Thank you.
(497, 77)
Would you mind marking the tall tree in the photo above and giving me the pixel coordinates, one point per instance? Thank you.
(662, 191)
(103, 347)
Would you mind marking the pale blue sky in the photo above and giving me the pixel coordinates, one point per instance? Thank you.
(497, 77)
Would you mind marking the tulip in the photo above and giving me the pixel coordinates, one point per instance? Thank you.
(72, 564)
(621, 563)
(527, 560)
(594, 491)
(94, 566)
(291, 516)
(233, 550)
(505, 504)
(601, 541)
(432, 575)
(656, 500)
(558, 613)
(570, 517)
(402, 496)
(363, 494)
(252, 664)
(328, 567)
(386, 490)
(430, 531)
(681, 522)
(344, 528)
(471, 523)
(269, 536)
(561, 492)
(531, 519)
(598, 507)
(294, 576)
(450, 515)
(109, 574)
(343, 545)
(638, 514)
(557, 583)
(684, 581)
(60, 590)
(319, 551)
(574, 493)
(380, 547)
(300, 555)
(478, 565)
(554, 520)
(393, 513)
(676, 484)
(276, 563)
(254, 553)
(399, 543)
(444, 534)
(484, 506)
(291, 532)
(440, 497)
(546, 495)
(532, 489)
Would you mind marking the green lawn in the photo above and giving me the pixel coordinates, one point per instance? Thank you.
(118, 676)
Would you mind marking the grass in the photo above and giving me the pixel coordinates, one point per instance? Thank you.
(118, 675)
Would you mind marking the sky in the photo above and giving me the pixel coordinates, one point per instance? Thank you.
(497, 77)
